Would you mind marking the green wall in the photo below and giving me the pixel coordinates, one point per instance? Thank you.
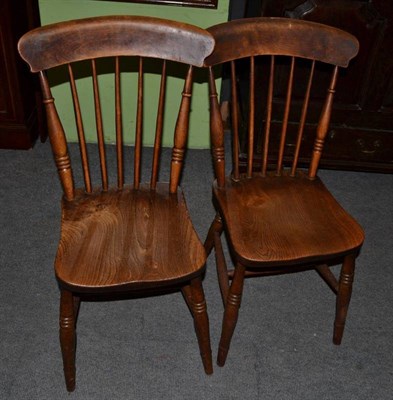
(60, 10)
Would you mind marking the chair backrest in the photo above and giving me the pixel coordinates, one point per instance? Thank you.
(116, 37)
(272, 41)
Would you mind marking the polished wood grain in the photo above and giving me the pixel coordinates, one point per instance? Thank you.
(127, 237)
(122, 239)
(278, 219)
(285, 220)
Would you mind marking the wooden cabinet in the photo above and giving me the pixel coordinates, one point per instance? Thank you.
(361, 135)
(19, 127)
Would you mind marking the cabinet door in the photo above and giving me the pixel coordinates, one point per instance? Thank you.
(18, 87)
(7, 112)
(361, 135)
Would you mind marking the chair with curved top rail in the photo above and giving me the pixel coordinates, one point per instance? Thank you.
(122, 238)
(278, 217)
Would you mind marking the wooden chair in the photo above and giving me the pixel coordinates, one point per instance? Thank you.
(122, 238)
(278, 219)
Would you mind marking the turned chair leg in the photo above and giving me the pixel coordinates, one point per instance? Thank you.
(68, 337)
(195, 299)
(343, 296)
(222, 269)
(216, 226)
(231, 313)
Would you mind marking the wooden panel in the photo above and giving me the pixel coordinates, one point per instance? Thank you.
(362, 120)
(184, 3)
(6, 110)
(19, 126)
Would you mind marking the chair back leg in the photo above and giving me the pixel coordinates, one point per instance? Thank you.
(68, 337)
(216, 226)
(231, 313)
(343, 296)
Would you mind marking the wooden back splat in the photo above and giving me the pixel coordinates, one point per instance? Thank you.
(116, 37)
(272, 37)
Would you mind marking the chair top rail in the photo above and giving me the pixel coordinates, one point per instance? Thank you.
(281, 36)
(70, 41)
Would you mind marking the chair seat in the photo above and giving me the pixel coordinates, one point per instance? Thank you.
(124, 239)
(281, 220)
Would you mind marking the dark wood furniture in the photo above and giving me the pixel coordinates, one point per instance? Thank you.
(123, 238)
(183, 3)
(279, 220)
(361, 131)
(19, 117)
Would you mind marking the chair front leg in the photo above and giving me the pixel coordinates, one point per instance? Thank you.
(343, 296)
(68, 337)
(195, 298)
(231, 313)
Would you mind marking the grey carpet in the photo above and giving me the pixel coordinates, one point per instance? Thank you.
(146, 348)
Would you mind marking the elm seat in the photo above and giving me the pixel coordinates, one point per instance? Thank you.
(125, 239)
(270, 218)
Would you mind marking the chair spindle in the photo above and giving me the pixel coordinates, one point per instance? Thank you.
(159, 128)
(302, 120)
(138, 133)
(268, 117)
(181, 130)
(119, 128)
(251, 118)
(99, 126)
(285, 119)
(80, 130)
(235, 121)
